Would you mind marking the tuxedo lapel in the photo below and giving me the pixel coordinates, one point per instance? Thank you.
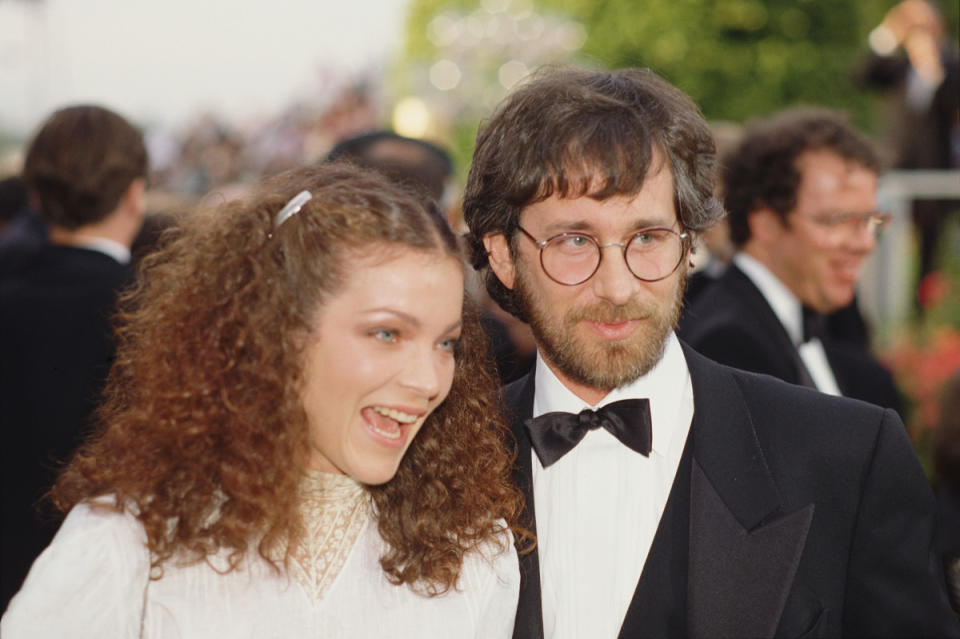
(518, 397)
(758, 306)
(744, 550)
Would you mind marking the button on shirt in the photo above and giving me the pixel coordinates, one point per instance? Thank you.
(599, 506)
(789, 311)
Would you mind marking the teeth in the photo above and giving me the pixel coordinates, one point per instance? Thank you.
(403, 418)
(392, 435)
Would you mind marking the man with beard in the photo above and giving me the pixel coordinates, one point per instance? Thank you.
(670, 495)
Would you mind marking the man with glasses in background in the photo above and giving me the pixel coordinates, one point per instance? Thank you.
(800, 192)
(672, 496)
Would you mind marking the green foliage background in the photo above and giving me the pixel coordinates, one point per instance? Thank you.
(738, 59)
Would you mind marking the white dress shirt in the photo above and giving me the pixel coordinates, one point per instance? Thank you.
(105, 245)
(789, 311)
(599, 506)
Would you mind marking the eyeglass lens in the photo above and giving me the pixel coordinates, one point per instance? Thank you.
(572, 258)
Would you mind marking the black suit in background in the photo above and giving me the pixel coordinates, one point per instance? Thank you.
(732, 322)
(805, 514)
(55, 350)
(843, 325)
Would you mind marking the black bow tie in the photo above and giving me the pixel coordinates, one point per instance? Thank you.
(553, 435)
(814, 324)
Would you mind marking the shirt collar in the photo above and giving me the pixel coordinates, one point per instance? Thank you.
(663, 385)
(784, 303)
(104, 245)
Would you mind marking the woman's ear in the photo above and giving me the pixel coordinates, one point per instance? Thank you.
(501, 260)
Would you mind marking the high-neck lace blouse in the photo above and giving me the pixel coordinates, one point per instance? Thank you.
(92, 581)
(334, 509)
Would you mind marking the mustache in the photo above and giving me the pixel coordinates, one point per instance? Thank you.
(611, 313)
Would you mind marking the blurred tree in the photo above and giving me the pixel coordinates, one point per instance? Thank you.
(738, 59)
(461, 57)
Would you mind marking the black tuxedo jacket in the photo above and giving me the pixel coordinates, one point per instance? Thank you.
(809, 515)
(732, 323)
(55, 350)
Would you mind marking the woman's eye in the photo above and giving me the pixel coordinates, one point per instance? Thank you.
(385, 335)
(450, 344)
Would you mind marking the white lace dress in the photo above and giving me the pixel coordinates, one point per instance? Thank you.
(92, 581)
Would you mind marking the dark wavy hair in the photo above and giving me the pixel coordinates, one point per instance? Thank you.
(417, 164)
(573, 132)
(761, 169)
(203, 431)
(80, 163)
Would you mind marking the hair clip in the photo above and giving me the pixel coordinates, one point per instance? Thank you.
(292, 207)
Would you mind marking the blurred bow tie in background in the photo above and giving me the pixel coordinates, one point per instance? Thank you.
(814, 324)
(553, 435)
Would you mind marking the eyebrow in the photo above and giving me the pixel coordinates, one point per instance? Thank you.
(453, 327)
(582, 225)
(410, 319)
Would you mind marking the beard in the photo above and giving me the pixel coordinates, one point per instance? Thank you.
(598, 363)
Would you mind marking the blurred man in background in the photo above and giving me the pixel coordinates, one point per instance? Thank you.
(85, 172)
(800, 192)
(417, 164)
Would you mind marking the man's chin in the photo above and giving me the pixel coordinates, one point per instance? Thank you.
(608, 364)
(840, 297)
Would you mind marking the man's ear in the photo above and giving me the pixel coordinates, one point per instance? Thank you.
(501, 260)
(766, 225)
(134, 199)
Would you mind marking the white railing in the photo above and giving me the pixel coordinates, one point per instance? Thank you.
(887, 287)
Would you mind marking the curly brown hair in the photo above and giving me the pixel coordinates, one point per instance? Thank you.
(202, 433)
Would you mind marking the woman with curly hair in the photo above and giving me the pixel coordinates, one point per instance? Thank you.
(299, 436)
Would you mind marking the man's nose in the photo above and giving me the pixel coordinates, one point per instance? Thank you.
(613, 281)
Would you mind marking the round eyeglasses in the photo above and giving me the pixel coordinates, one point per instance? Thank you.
(572, 258)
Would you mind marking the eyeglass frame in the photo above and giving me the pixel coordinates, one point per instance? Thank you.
(874, 221)
(541, 244)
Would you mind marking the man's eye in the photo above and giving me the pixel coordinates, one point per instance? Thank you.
(837, 219)
(573, 242)
(649, 238)
(644, 237)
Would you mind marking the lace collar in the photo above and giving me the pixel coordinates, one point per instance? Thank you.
(334, 510)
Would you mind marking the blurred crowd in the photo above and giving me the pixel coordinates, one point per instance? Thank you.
(213, 158)
(210, 153)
